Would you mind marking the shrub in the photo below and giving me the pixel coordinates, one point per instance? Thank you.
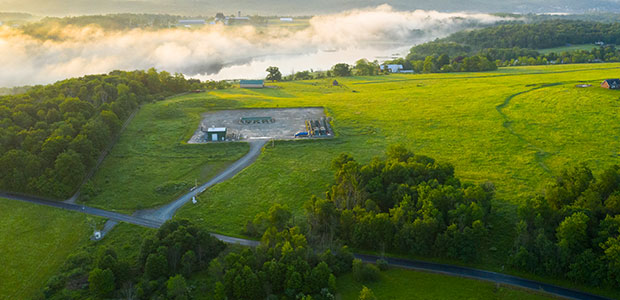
(364, 272)
(382, 264)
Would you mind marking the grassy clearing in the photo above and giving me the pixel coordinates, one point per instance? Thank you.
(559, 50)
(451, 117)
(406, 284)
(152, 164)
(34, 243)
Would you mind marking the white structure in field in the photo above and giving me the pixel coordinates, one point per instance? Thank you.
(190, 23)
(392, 68)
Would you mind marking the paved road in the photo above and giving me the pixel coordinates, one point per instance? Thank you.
(85, 209)
(482, 275)
(156, 217)
(166, 212)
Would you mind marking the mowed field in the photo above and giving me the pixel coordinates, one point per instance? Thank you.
(559, 50)
(34, 243)
(152, 164)
(406, 284)
(516, 127)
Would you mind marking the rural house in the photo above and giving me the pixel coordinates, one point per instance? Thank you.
(252, 84)
(612, 84)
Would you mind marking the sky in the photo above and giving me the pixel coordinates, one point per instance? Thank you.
(295, 7)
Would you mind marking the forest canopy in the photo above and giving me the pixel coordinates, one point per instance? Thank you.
(51, 136)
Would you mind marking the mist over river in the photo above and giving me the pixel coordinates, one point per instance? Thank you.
(224, 52)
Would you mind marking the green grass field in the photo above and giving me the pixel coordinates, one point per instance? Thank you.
(559, 50)
(490, 126)
(516, 127)
(405, 284)
(34, 243)
(152, 164)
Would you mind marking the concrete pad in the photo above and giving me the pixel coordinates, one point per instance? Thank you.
(288, 121)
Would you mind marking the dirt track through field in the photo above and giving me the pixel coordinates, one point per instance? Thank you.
(541, 154)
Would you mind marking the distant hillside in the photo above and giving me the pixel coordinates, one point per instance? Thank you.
(547, 34)
(299, 7)
(539, 35)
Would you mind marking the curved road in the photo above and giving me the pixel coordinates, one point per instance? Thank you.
(167, 211)
(154, 218)
(482, 275)
(118, 217)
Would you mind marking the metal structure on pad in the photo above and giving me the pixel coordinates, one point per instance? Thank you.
(319, 128)
(256, 120)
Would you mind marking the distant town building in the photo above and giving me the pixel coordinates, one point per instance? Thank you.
(190, 23)
(237, 20)
(216, 134)
(286, 19)
(252, 84)
(612, 84)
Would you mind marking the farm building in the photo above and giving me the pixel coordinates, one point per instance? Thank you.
(612, 84)
(190, 23)
(392, 68)
(216, 134)
(286, 19)
(252, 84)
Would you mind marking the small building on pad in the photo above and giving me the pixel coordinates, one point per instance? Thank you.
(216, 134)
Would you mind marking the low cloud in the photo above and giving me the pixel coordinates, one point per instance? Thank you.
(76, 51)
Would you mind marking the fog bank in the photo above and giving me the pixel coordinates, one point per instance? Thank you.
(220, 52)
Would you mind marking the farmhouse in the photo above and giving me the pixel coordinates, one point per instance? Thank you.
(252, 84)
(612, 84)
(216, 134)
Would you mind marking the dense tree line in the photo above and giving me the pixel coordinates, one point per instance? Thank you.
(405, 203)
(573, 229)
(546, 34)
(514, 44)
(51, 135)
(176, 251)
(46, 28)
(524, 57)
(283, 266)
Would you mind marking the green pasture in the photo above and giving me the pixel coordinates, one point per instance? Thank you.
(406, 284)
(152, 163)
(558, 50)
(516, 127)
(34, 243)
